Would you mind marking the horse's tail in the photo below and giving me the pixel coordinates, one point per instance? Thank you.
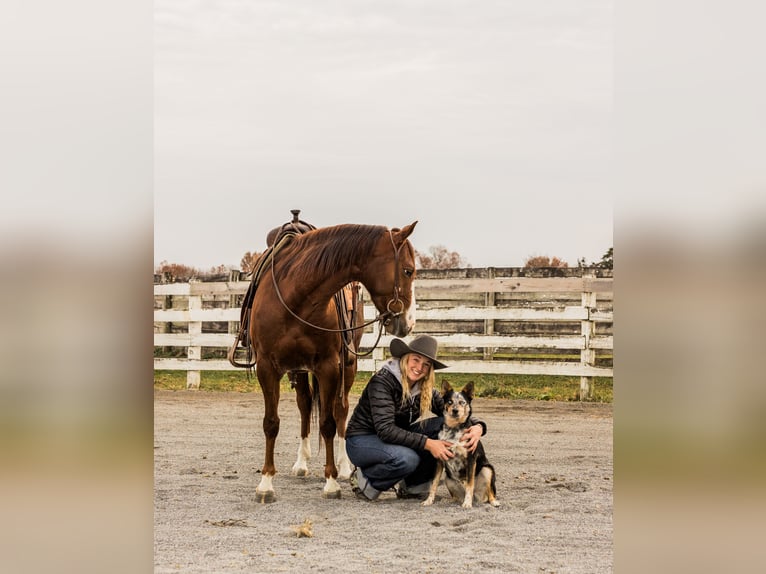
(315, 404)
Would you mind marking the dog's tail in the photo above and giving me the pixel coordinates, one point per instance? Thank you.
(492, 486)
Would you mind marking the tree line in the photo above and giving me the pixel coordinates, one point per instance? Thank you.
(437, 257)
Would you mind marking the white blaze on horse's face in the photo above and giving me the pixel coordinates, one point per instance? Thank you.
(410, 317)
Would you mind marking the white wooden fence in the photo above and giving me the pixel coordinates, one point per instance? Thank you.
(477, 315)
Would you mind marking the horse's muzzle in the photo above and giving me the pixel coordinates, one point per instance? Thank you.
(398, 326)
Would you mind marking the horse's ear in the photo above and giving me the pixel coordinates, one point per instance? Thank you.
(404, 233)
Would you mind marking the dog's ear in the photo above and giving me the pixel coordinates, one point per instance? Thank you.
(468, 390)
(446, 387)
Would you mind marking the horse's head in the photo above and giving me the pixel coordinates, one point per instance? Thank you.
(391, 275)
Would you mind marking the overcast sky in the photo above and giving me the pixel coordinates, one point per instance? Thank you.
(488, 122)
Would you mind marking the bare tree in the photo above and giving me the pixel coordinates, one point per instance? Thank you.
(607, 260)
(536, 261)
(247, 264)
(440, 258)
(177, 272)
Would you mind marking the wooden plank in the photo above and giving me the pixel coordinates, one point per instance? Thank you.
(477, 341)
(228, 288)
(510, 368)
(424, 287)
(222, 340)
(595, 285)
(194, 353)
(500, 314)
(181, 316)
(489, 324)
(445, 314)
(602, 342)
(172, 289)
(602, 316)
(172, 316)
(500, 285)
(198, 365)
(371, 365)
(587, 354)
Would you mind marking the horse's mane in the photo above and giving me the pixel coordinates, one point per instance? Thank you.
(327, 249)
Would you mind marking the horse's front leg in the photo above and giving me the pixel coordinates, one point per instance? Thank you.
(327, 429)
(341, 414)
(269, 382)
(303, 396)
(344, 464)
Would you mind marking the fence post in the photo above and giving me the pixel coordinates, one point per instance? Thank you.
(167, 326)
(588, 330)
(489, 324)
(194, 353)
(378, 355)
(167, 303)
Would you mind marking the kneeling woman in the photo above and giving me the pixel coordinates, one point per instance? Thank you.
(391, 436)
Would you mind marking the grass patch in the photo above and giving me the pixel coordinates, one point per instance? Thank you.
(534, 387)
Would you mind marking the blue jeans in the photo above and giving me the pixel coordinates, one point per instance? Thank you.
(385, 464)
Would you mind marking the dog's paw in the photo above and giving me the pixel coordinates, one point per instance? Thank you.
(468, 504)
(428, 501)
(495, 503)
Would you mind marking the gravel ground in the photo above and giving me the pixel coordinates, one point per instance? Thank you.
(554, 466)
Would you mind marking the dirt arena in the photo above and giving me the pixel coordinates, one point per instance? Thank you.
(554, 465)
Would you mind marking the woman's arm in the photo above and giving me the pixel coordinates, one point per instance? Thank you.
(383, 397)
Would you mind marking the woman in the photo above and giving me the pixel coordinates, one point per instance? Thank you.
(392, 435)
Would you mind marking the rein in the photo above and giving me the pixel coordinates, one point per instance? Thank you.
(383, 318)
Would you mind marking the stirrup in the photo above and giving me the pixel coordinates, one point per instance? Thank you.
(231, 357)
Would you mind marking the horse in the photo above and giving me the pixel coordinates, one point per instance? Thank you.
(294, 327)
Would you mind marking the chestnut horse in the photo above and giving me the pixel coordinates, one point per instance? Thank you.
(294, 326)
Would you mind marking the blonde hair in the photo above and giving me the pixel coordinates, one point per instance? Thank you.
(426, 387)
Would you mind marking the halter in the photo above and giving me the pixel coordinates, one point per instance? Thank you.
(397, 289)
(384, 318)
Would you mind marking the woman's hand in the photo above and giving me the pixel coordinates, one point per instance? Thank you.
(439, 449)
(471, 436)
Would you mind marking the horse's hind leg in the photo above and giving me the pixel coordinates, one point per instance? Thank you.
(303, 397)
(269, 381)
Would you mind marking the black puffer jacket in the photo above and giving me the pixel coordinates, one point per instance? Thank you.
(380, 411)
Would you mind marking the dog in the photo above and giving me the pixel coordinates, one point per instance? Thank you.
(468, 475)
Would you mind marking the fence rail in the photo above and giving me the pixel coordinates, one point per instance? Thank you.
(486, 321)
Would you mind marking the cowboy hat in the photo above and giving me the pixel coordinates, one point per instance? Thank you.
(422, 345)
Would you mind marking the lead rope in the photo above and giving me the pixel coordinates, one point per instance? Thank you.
(396, 299)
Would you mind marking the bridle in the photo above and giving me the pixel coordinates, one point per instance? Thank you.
(383, 318)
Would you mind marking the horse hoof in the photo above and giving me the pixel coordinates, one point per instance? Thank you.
(265, 497)
(333, 494)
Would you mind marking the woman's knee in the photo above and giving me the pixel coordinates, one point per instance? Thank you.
(406, 461)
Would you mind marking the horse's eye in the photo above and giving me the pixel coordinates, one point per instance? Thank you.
(408, 272)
